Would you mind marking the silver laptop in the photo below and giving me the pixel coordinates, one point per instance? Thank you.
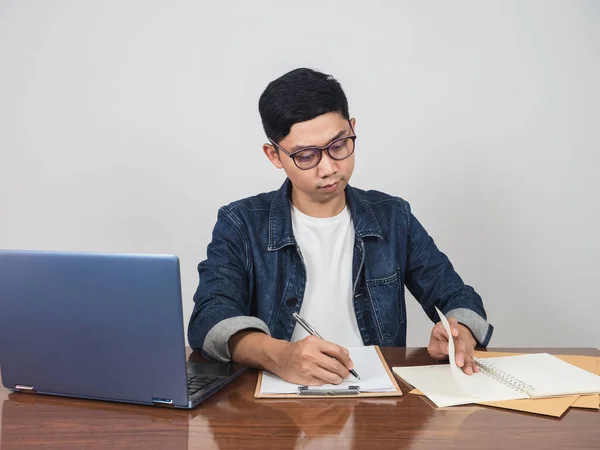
(99, 326)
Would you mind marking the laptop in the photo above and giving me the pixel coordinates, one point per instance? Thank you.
(100, 326)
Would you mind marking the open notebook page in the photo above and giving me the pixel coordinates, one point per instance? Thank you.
(439, 385)
(374, 377)
(549, 376)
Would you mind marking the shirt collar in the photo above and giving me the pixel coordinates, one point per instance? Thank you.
(280, 219)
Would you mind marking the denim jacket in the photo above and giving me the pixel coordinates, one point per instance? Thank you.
(254, 276)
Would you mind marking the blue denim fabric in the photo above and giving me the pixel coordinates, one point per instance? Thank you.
(253, 268)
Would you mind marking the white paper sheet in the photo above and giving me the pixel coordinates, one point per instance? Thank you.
(368, 365)
(438, 384)
(466, 387)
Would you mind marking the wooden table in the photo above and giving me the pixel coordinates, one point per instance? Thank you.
(233, 419)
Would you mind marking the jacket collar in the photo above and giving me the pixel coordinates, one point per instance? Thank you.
(280, 218)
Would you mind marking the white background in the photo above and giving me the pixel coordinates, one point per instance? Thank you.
(124, 125)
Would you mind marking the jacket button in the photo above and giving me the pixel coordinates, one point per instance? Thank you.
(291, 301)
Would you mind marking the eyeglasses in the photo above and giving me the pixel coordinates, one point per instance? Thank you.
(309, 157)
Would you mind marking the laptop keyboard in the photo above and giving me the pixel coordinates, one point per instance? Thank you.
(199, 381)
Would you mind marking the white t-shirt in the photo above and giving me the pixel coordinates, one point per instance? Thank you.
(327, 249)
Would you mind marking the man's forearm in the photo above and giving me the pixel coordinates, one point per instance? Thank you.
(256, 349)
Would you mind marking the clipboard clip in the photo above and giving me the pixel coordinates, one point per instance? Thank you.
(318, 390)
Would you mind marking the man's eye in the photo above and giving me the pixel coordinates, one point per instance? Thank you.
(337, 146)
(305, 156)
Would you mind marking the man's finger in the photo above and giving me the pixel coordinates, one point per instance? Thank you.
(470, 366)
(440, 335)
(437, 349)
(332, 365)
(337, 352)
(453, 326)
(327, 376)
(439, 332)
(435, 354)
(460, 352)
(441, 347)
(459, 359)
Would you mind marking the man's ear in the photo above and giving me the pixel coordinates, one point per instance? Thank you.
(273, 155)
(353, 123)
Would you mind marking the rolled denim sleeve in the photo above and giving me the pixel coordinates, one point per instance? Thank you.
(222, 302)
(432, 280)
(480, 328)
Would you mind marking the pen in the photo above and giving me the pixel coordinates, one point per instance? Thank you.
(310, 330)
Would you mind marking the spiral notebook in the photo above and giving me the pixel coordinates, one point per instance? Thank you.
(538, 375)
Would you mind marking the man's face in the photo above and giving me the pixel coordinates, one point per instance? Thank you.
(329, 178)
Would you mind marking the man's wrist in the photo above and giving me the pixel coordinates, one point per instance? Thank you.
(256, 349)
(243, 346)
(274, 351)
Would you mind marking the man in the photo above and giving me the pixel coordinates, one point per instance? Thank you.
(338, 255)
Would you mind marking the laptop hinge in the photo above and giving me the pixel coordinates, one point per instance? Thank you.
(162, 401)
(24, 388)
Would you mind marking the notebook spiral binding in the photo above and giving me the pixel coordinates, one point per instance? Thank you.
(503, 377)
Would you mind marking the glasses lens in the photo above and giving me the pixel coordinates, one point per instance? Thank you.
(342, 148)
(308, 158)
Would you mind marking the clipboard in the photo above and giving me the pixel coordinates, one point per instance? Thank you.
(341, 392)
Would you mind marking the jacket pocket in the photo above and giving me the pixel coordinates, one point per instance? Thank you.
(387, 299)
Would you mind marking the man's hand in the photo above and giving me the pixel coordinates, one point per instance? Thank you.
(311, 361)
(464, 344)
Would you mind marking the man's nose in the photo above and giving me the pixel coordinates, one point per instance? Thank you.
(327, 166)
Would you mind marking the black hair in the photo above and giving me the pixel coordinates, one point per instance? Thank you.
(298, 96)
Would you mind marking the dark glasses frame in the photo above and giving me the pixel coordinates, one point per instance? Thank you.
(319, 149)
